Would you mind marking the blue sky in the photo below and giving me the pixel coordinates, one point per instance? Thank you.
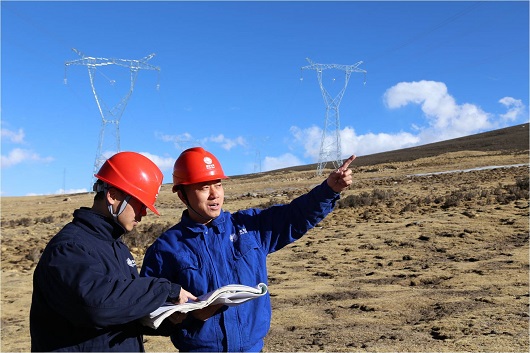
(230, 79)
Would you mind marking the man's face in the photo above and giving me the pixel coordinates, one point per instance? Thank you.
(206, 199)
(132, 214)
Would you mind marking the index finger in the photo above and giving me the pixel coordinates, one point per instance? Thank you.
(347, 163)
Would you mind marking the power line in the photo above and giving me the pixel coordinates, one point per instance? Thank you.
(430, 30)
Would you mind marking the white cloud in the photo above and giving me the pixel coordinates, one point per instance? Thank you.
(14, 137)
(18, 155)
(374, 143)
(227, 143)
(351, 143)
(181, 142)
(70, 191)
(515, 107)
(164, 163)
(283, 161)
(60, 192)
(310, 139)
(445, 119)
(186, 140)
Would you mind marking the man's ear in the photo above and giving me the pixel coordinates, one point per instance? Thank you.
(181, 196)
(112, 195)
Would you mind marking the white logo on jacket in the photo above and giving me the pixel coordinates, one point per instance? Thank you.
(235, 236)
(131, 263)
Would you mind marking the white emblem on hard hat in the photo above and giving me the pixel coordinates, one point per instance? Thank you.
(207, 160)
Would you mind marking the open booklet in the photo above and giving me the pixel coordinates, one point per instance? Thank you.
(230, 295)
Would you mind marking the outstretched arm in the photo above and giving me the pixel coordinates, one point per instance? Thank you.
(341, 178)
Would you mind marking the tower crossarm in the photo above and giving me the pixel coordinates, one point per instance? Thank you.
(141, 64)
(320, 67)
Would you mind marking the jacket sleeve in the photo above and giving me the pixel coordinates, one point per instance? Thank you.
(280, 225)
(81, 287)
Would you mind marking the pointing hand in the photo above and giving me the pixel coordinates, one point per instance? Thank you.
(341, 178)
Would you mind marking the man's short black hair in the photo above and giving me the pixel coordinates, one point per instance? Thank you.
(100, 195)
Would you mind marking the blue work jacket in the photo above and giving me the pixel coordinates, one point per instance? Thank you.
(231, 249)
(87, 292)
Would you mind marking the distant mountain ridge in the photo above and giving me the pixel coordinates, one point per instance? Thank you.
(513, 139)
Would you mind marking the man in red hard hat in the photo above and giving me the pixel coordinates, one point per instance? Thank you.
(87, 293)
(198, 167)
(210, 248)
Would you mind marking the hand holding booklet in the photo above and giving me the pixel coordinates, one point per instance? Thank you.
(230, 295)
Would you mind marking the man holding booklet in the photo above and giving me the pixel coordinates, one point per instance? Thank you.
(230, 295)
(211, 248)
(87, 294)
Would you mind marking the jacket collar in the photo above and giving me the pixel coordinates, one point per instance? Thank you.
(217, 224)
(97, 224)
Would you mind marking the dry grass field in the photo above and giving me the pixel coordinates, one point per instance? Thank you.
(413, 259)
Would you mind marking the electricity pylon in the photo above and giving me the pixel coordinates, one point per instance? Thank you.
(113, 114)
(330, 148)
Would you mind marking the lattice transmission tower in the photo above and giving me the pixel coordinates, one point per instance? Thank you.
(110, 115)
(330, 145)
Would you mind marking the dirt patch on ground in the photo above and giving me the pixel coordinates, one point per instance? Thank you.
(411, 259)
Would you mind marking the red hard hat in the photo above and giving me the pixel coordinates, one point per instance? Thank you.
(135, 175)
(196, 165)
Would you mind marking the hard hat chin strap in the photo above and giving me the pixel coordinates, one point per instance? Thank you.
(98, 187)
(121, 208)
(208, 219)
